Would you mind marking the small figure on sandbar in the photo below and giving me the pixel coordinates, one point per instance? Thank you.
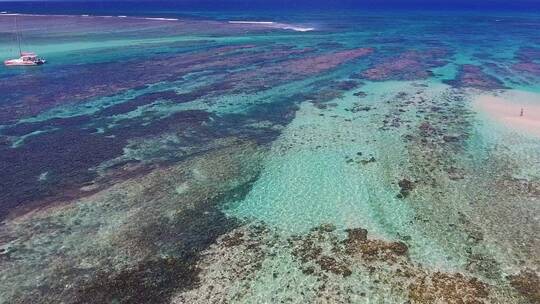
(521, 114)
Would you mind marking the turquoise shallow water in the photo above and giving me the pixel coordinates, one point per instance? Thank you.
(199, 161)
(320, 172)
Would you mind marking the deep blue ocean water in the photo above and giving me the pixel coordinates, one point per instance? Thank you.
(167, 8)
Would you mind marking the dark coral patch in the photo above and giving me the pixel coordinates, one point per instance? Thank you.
(527, 283)
(448, 288)
(156, 279)
(472, 76)
(406, 186)
(29, 127)
(386, 40)
(410, 65)
(528, 54)
(330, 264)
(330, 45)
(360, 94)
(370, 250)
(355, 236)
(133, 104)
(169, 236)
(80, 133)
(51, 164)
(294, 69)
(152, 281)
(139, 127)
(528, 67)
(94, 80)
(278, 113)
(309, 251)
(58, 163)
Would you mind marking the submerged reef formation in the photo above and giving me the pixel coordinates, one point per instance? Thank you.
(334, 266)
(135, 241)
(410, 65)
(471, 76)
(65, 151)
(526, 283)
(101, 79)
(528, 63)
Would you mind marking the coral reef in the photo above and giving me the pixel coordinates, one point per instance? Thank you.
(137, 240)
(472, 76)
(448, 288)
(527, 283)
(333, 261)
(410, 65)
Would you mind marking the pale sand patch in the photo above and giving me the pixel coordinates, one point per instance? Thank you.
(506, 108)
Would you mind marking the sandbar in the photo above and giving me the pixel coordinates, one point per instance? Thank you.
(506, 109)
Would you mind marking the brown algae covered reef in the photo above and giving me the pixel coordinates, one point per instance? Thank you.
(481, 262)
(135, 241)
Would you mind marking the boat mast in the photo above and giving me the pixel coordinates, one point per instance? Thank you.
(18, 35)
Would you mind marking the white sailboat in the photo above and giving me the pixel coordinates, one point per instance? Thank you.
(25, 58)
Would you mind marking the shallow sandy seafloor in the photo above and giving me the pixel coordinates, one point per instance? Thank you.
(238, 169)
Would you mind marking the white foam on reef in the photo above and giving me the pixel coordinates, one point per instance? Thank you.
(297, 28)
(251, 22)
(35, 15)
(162, 19)
(87, 15)
(270, 24)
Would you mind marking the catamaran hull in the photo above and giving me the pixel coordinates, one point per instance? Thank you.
(22, 63)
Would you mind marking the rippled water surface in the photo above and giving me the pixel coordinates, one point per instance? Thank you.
(282, 159)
